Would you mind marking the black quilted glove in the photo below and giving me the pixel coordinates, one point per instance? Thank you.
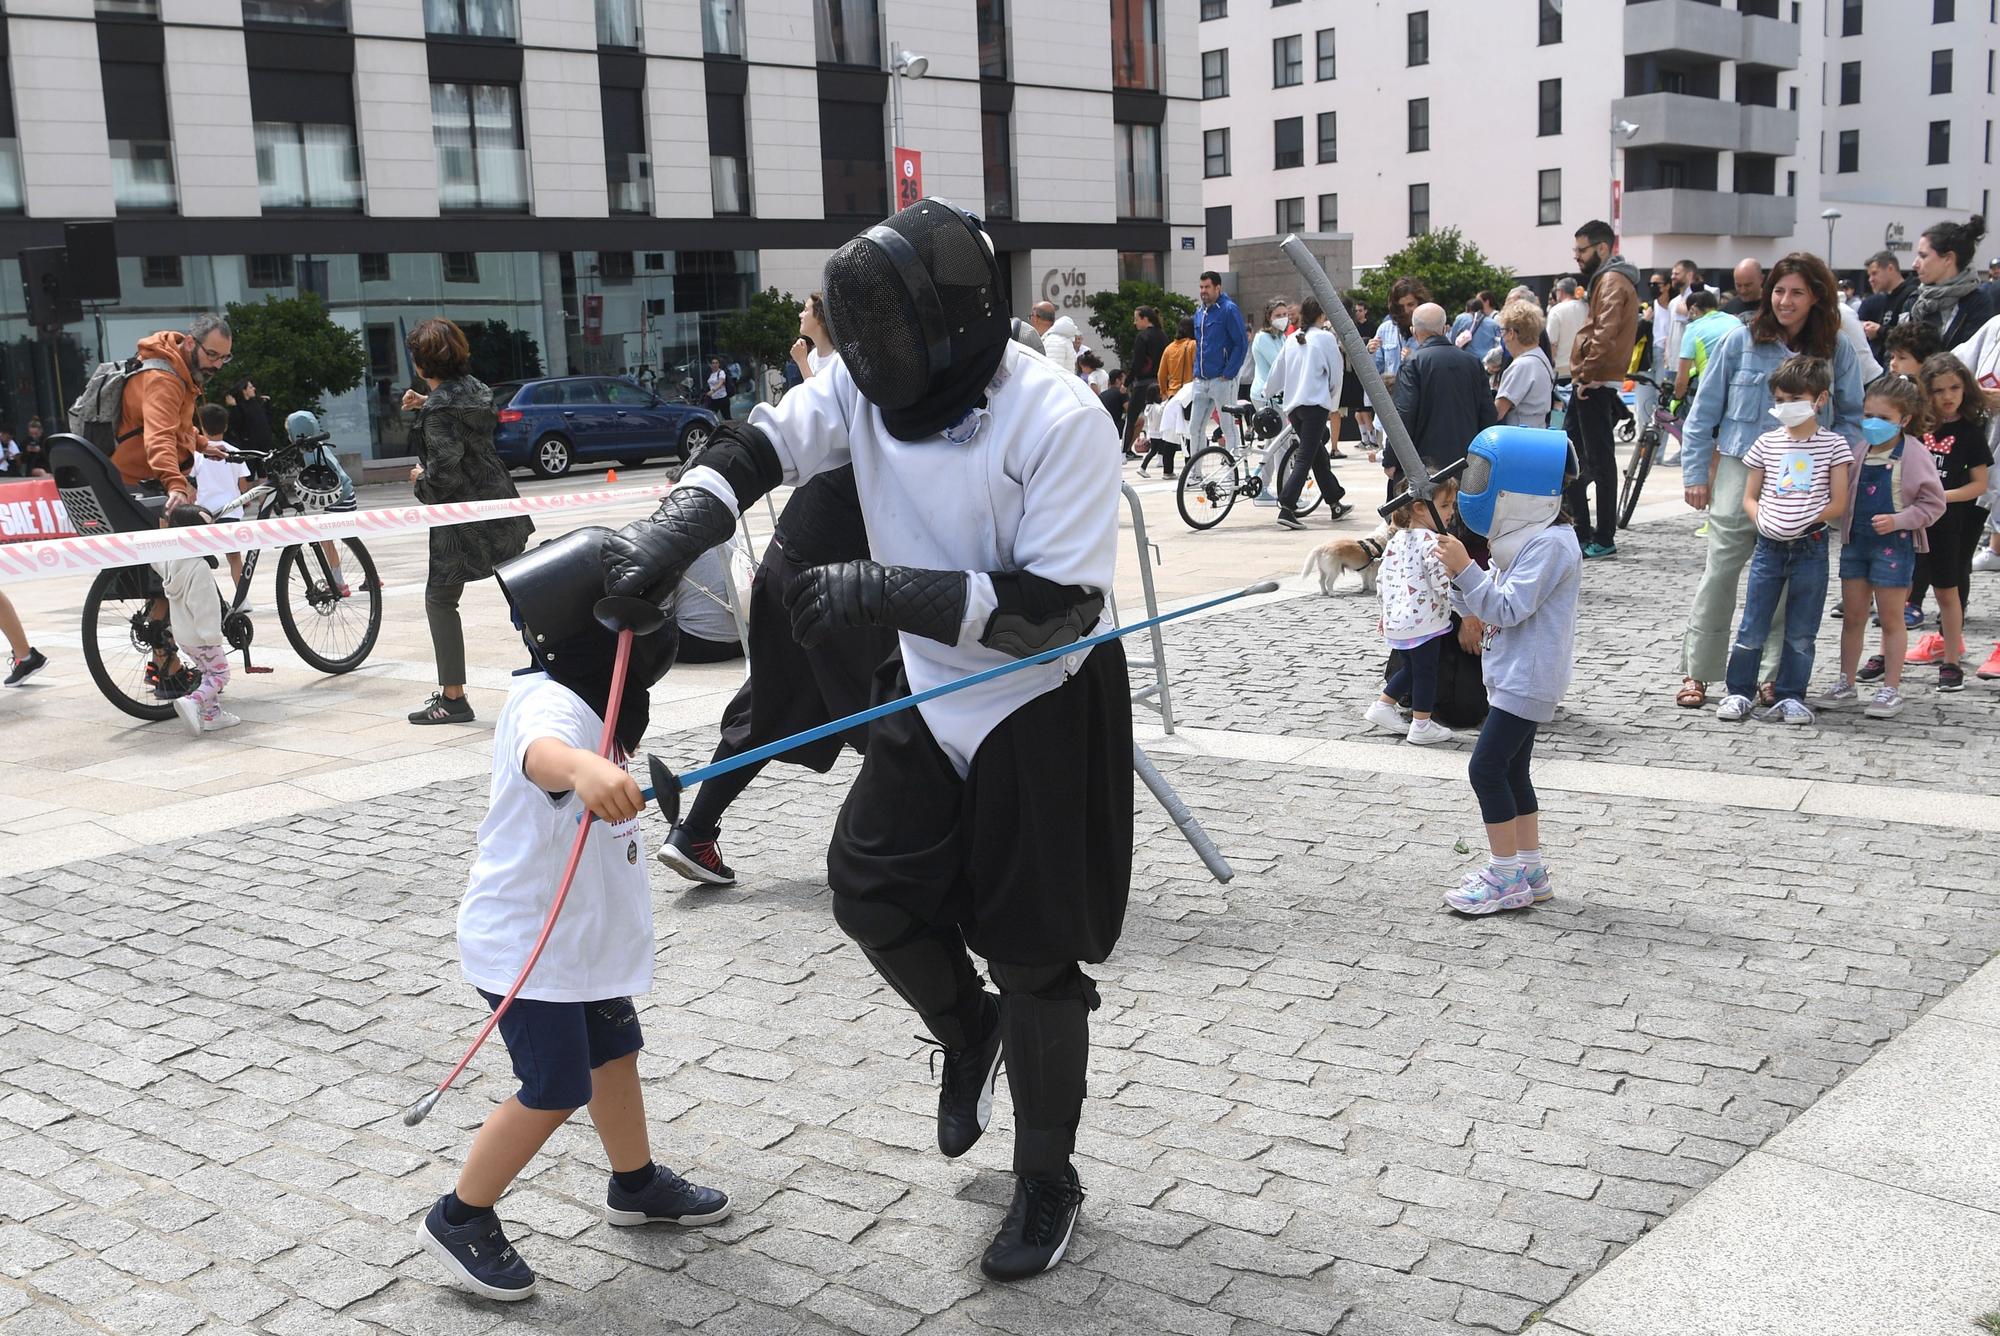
(825, 599)
(646, 558)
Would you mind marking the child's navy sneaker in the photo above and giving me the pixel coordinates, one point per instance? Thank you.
(1874, 668)
(668, 1200)
(477, 1255)
(1913, 616)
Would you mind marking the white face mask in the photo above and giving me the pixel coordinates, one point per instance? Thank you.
(1281, 323)
(1795, 413)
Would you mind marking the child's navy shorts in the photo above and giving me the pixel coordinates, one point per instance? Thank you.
(1884, 560)
(556, 1045)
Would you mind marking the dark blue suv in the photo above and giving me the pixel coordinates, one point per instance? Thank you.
(554, 424)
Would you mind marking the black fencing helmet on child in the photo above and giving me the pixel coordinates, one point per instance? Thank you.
(918, 314)
(554, 588)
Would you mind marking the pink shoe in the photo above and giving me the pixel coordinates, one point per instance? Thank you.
(1930, 649)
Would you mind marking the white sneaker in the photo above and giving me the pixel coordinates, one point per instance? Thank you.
(1841, 696)
(1986, 559)
(1734, 709)
(189, 709)
(1888, 703)
(1670, 459)
(1428, 732)
(218, 719)
(1384, 716)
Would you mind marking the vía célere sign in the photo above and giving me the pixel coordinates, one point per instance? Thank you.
(32, 510)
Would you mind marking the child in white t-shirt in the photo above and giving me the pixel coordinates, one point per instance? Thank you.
(572, 1031)
(1416, 616)
(218, 481)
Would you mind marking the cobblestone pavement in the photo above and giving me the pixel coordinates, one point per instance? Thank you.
(1319, 1103)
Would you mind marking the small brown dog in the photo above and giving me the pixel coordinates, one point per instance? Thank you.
(1361, 555)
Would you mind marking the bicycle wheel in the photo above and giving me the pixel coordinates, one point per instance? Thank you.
(1635, 477)
(332, 632)
(119, 638)
(1209, 485)
(1309, 495)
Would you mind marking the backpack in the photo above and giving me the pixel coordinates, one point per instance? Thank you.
(94, 415)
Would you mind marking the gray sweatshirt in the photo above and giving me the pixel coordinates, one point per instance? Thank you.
(1531, 608)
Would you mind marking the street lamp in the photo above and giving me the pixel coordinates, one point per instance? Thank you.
(1831, 216)
(904, 65)
(1620, 129)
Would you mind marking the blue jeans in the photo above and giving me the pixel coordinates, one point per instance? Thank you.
(1210, 396)
(1796, 572)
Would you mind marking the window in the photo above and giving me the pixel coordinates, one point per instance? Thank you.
(1420, 209)
(135, 119)
(1141, 267)
(1935, 199)
(1850, 82)
(160, 271)
(1420, 37)
(1850, 18)
(471, 18)
(1756, 174)
(270, 271)
(1277, 4)
(1215, 73)
(461, 267)
(1849, 151)
(1287, 67)
(1420, 124)
(481, 164)
(1329, 213)
(992, 23)
(618, 23)
(1940, 143)
(374, 266)
(1550, 30)
(728, 154)
(722, 27)
(628, 163)
(1323, 68)
(1551, 107)
(1288, 142)
(1942, 11)
(1138, 149)
(1214, 9)
(853, 180)
(996, 145)
(1940, 71)
(1214, 153)
(1791, 183)
(1548, 197)
(1329, 136)
(1135, 44)
(1220, 224)
(307, 166)
(144, 9)
(1291, 215)
(847, 32)
(307, 13)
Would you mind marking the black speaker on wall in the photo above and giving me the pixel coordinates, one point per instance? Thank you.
(93, 261)
(45, 283)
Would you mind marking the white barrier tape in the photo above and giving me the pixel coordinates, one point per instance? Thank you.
(54, 557)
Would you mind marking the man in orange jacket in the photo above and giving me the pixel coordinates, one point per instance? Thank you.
(157, 435)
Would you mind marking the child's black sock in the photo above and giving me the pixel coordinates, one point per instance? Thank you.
(457, 1213)
(633, 1179)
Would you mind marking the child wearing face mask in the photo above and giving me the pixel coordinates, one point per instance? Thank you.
(1894, 496)
(1797, 485)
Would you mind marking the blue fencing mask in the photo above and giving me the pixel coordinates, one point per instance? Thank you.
(1512, 487)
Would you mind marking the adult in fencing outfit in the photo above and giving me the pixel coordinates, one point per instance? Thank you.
(999, 817)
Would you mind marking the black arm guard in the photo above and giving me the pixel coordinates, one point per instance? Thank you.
(861, 593)
(646, 558)
(1036, 614)
(743, 455)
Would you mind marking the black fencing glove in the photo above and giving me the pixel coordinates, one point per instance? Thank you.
(825, 599)
(646, 558)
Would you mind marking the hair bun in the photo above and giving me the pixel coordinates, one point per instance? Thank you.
(1975, 228)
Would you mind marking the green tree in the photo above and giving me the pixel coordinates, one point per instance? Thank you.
(1111, 313)
(1449, 265)
(501, 352)
(763, 332)
(293, 351)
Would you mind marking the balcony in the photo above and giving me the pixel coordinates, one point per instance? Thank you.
(1770, 130)
(1679, 120)
(1684, 28)
(1770, 42)
(1709, 213)
(1767, 215)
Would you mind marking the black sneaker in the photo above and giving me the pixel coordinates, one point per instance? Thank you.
(1340, 510)
(1872, 669)
(27, 666)
(442, 709)
(477, 1255)
(1951, 677)
(668, 1200)
(699, 861)
(1036, 1232)
(965, 1099)
(1287, 520)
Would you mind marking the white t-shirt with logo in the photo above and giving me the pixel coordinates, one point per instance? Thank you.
(215, 481)
(602, 946)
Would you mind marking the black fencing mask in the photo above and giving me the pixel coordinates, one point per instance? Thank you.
(918, 315)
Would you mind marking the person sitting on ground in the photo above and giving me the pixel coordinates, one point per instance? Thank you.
(1416, 617)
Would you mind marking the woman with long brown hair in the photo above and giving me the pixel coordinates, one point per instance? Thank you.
(1799, 313)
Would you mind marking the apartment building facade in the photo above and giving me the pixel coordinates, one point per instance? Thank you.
(590, 184)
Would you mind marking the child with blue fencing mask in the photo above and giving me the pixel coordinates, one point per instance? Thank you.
(323, 486)
(1511, 492)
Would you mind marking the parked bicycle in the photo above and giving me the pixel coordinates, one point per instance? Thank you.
(1645, 451)
(331, 612)
(1214, 476)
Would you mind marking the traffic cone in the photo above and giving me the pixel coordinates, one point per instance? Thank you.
(611, 475)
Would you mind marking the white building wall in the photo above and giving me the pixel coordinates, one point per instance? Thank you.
(941, 121)
(1064, 163)
(677, 129)
(208, 105)
(563, 119)
(783, 109)
(59, 117)
(567, 24)
(384, 18)
(208, 13)
(671, 28)
(780, 32)
(1064, 44)
(392, 103)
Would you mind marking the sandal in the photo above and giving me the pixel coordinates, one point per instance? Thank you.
(1692, 695)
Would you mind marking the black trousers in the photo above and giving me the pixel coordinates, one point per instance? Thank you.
(1592, 414)
(1311, 422)
(1144, 394)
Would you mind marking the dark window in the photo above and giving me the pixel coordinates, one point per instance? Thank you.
(471, 18)
(1329, 213)
(628, 167)
(1420, 209)
(1215, 73)
(271, 271)
(1792, 179)
(853, 181)
(1215, 153)
(992, 39)
(1551, 23)
(1941, 71)
(614, 266)
(997, 150)
(1850, 18)
(1329, 136)
(1141, 267)
(307, 13)
(1935, 198)
(135, 120)
(1756, 87)
(1420, 124)
(1550, 109)
(1850, 82)
(461, 267)
(1420, 37)
(481, 164)
(1287, 67)
(1139, 181)
(303, 122)
(1323, 49)
(1943, 11)
(160, 271)
(1756, 174)
(1279, 4)
(1291, 215)
(1988, 154)
(728, 154)
(1548, 197)
(1219, 221)
(1288, 142)
(1214, 9)
(722, 28)
(847, 32)
(1849, 151)
(1792, 97)
(1135, 44)
(1940, 143)
(374, 266)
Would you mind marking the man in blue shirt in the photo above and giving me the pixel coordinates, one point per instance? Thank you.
(1220, 344)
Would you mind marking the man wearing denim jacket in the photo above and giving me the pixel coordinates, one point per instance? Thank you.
(1732, 406)
(1220, 345)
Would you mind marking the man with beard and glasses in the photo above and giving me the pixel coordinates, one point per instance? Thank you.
(1598, 361)
(997, 819)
